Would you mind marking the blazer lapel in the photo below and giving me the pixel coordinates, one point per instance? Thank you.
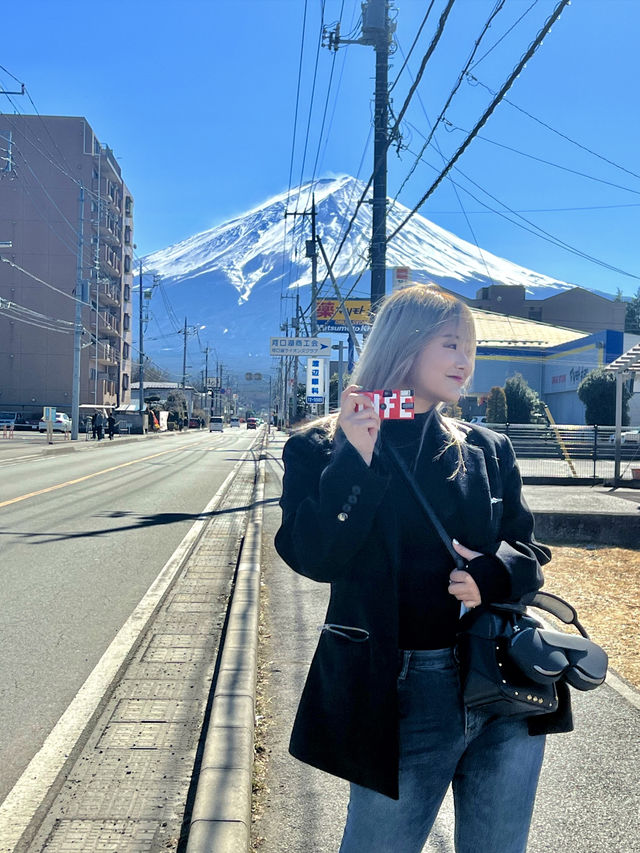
(474, 500)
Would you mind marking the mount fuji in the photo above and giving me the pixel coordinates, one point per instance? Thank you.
(227, 281)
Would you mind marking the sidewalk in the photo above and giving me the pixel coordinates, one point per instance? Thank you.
(588, 799)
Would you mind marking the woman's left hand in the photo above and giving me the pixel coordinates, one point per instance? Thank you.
(461, 584)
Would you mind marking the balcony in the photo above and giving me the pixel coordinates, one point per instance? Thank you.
(108, 324)
(108, 293)
(111, 259)
(107, 354)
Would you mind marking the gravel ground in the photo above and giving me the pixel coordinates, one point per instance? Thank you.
(603, 584)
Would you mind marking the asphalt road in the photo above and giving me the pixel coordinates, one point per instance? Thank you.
(82, 537)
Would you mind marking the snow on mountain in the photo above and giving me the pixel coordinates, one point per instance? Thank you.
(230, 278)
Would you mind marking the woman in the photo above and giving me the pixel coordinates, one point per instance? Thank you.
(382, 704)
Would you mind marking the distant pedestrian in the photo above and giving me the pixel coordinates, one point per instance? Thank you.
(111, 426)
(94, 425)
(99, 425)
(382, 706)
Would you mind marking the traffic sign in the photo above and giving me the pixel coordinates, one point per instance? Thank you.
(317, 347)
(315, 399)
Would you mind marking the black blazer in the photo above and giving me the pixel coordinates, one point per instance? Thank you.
(338, 526)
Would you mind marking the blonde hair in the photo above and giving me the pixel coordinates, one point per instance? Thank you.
(405, 322)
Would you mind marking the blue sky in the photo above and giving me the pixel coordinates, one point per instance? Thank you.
(197, 100)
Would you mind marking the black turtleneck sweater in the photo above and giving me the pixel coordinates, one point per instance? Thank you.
(428, 613)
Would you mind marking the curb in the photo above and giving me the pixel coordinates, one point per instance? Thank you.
(602, 528)
(221, 817)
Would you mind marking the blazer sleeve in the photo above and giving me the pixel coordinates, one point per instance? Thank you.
(518, 550)
(329, 500)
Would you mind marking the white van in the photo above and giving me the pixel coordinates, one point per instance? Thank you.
(216, 424)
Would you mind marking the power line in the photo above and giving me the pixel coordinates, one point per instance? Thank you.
(504, 35)
(548, 162)
(497, 8)
(487, 114)
(534, 229)
(415, 41)
(430, 50)
(539, 121)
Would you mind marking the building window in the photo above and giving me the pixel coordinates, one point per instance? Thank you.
(125, 381)
(127, 322)
(127, 263)
(127, 293)
(125, 351)
(128, 204)
(127, 235)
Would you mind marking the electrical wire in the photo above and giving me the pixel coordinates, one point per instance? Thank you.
(487, 114)
(415, 41)
(504, 35)
(559, 133)
(548, 162)
(496, 10)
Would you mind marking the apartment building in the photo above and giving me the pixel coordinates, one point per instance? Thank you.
(66, 228)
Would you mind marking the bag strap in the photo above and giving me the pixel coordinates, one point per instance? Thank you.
(401, 466)
(546, 601)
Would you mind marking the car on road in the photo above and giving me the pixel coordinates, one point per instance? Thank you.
(234, 422)
(8, 419)
(62, 423)
(252, 423)
(216, 424)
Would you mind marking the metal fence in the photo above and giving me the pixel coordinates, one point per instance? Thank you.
(570, 452)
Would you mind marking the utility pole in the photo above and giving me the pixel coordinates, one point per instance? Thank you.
(313, 255)
(77, 330)
(375, 26)
(184, 356)
(141, 353)
(376, 32)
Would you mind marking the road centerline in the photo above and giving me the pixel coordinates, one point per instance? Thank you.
(86, 477)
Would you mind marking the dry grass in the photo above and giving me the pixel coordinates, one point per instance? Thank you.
(603, 584)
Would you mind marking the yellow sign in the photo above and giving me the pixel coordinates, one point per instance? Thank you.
(329, 311)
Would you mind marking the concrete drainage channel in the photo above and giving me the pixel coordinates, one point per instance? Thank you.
(221, 818)
(128, 788)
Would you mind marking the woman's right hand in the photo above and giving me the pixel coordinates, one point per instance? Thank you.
(359, 421)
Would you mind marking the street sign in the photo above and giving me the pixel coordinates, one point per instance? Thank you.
(318, 347)
(315, 380)
(49, 413)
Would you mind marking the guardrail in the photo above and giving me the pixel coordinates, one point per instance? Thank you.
(569, 450)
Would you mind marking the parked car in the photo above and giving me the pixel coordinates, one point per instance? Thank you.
(252, 423)
(234, 422)
(8, 419)
(478, 419)
(216, 424)
(62, 423)
(629, 436)
(194, 423)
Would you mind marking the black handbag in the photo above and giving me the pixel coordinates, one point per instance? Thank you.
(509, 663)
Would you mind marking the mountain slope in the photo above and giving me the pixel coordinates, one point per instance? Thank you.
(230, 278)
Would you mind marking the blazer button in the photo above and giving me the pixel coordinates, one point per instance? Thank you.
(352, 499)
(346, 508)
(342, 516)
(355, 490)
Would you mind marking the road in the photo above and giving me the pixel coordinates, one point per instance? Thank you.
(83, 535)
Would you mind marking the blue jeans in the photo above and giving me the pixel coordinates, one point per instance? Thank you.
(492, 763)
